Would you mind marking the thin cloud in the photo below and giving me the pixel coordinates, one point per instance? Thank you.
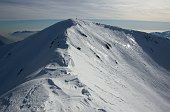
(152, 10)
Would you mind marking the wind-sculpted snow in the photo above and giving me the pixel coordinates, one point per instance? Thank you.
(77, 66)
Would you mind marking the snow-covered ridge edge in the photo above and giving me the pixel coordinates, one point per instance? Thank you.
(44, 80)
(74, 74)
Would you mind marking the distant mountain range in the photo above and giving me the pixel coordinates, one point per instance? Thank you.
(20, 35)
(21, 32)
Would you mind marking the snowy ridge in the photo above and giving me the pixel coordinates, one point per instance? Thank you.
(77, 65)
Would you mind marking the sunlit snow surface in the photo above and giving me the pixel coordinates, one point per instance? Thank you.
(81, 66)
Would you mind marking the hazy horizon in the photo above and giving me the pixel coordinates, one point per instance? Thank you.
(10, 26)
(143, 15)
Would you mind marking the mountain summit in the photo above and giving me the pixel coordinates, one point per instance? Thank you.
(77, 65)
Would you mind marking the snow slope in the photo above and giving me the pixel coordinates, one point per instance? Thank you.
(81, 66)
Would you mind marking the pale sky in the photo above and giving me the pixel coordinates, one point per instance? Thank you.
(147, 10)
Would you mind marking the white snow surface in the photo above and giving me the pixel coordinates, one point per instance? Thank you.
(81, 66)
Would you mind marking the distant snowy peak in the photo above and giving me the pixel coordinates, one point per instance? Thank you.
(81, 66)
(165, 34)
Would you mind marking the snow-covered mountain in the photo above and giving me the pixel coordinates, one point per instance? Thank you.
(165, 34)
(81, 66)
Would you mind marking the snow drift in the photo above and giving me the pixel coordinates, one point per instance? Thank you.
(77, 65)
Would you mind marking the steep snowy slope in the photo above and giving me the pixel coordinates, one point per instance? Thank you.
(77, 66)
